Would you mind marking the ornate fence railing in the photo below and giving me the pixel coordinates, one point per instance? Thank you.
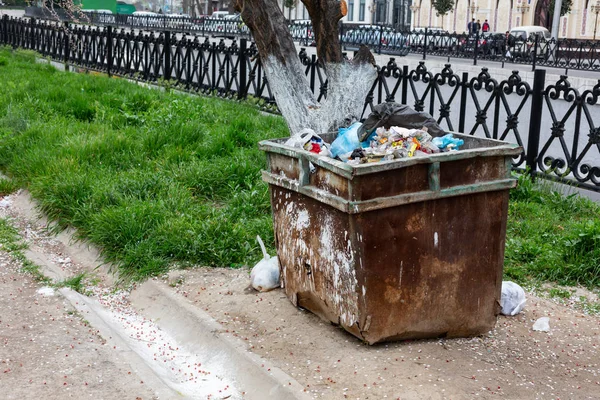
(534, 51)
(557, 125)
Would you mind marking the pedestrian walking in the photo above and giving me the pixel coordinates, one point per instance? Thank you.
(486, 26)
(471, 27)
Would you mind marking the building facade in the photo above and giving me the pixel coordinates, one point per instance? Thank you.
(502, 15)
(395, 13)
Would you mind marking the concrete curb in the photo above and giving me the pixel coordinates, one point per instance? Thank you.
(199, 332)
(192, 328)
(98, 318)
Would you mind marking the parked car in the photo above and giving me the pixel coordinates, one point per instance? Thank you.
(522, 42)
(370, 35)
(301, 30)
(219, 14)
(100, 16)
(437, 39)
(490, 44)
(145, 19)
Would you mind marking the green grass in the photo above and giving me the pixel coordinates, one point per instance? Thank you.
(76, 283)
(158, 179)
(552, 237)
(11, 242)
(154, 178)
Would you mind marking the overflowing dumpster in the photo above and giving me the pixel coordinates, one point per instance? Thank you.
(400, 249)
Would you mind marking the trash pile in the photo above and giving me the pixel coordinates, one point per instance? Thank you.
(390, 144)
(409, 135)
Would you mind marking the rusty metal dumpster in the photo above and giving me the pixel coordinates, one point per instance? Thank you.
(401, 249)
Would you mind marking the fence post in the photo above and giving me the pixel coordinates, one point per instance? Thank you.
(308, 27)
(476, 47)
(535, 51)
(3, 30)
(32, 45)
(379, 41)
(109, 52)
(167, 56)
(242, 60)
(425, 45)
(463, 102)
(405, 84)
(313, 67)
(213, 50)
(67, 43)
(535, 120)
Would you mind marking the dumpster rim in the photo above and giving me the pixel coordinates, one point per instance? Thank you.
(349, 171)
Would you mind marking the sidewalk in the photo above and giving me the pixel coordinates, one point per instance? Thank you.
(258, 345)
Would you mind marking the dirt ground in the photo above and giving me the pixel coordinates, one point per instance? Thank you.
(512, 361)
(48, 350)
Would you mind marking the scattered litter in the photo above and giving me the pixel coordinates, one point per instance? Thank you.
(512, 298)
(542, 325)
(394, 114)
(265, 274)
(308, 140)
(46, 291)
(397, 142)
(5, 203)
(392, 131)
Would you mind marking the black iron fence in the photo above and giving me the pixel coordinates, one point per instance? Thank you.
(535, 50)
(557, 125)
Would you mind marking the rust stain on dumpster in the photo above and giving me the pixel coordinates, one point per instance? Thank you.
(317, 261)
(420, 257)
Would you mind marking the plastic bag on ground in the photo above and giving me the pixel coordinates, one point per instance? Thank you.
(542, 325)
(512, 299)
(394, 114)
(265, 274)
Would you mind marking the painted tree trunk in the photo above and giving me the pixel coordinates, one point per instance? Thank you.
(348, 82)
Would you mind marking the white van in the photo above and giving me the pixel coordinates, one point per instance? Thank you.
(100, 16)
(524, 41)
(219, 14)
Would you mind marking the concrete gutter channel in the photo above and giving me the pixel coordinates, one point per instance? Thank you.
(192, 329)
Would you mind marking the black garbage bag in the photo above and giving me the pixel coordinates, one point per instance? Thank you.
(394, 114)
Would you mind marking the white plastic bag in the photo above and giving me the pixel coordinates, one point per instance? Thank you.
(301, 138)
(512, 299)
(542, 325)
(265, 274)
